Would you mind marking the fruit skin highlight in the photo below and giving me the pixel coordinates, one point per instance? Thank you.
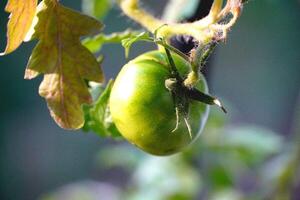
(143, 108)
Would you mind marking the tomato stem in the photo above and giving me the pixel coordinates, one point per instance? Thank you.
(161, 41)
(199, 57)
(206, 52)
(176, 86)
(203, 30)
(173, 69)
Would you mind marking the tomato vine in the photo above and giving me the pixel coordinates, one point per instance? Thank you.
(73, 84)
(71, 69)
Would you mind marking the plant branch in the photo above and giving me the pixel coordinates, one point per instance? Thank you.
(198, 59)
(202, 30)
(215, 10)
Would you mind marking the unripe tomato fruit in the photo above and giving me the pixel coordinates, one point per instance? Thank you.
(143, 108)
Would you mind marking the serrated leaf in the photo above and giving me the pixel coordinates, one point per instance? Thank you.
(65, 63)
(96, 8)
(94, 44)
(97, 116)
(21, 17)
(126, 43)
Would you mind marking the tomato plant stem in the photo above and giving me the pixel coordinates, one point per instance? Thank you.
(202, 30)
(205, 30)
(173, 68)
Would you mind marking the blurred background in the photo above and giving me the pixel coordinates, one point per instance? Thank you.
(251, 153)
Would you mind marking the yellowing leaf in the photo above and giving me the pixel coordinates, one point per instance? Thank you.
(65, 63)
(22, 14)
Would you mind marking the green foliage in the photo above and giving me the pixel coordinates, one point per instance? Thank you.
(66, 64)
(222, 163)
(97, 116)
(127, 43)
(94, 44)
(212, 167)
(224, 154)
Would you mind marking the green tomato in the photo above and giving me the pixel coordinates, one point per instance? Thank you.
(143, 108)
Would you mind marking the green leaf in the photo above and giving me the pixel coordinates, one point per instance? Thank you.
(126, 43)
(97, 116)
(20, 20)
(145, 36)
(94, 44)
(65, 63)
(96, 8)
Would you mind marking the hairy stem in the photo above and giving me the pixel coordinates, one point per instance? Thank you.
(201, 30)
(205, 30)
(215, 10)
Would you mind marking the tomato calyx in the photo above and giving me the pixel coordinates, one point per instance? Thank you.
(181, 102)
(182, 95)
(176, 85)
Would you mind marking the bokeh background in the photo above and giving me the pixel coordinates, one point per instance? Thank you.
(256, 72)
